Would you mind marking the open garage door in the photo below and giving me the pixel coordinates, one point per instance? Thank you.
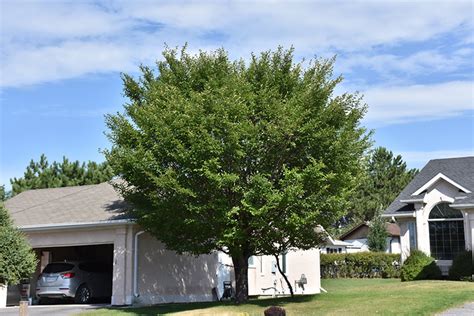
(80, 274)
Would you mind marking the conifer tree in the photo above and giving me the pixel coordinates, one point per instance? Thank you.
(41, 174)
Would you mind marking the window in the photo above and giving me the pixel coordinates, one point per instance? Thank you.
(58, 267)
(412, 234)
(283, 262)
(446, 232)
(251, 261)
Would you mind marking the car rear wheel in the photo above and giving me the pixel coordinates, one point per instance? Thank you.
(83, 295)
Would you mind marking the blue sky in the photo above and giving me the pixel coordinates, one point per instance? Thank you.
(61, 61)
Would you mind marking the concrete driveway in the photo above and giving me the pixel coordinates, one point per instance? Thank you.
(40, 310)
(464, 310)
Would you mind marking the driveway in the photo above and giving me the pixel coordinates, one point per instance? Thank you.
(40, 310)
(464, 310)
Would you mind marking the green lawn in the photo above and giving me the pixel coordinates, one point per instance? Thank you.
(344, 297)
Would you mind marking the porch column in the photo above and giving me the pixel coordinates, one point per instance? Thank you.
(122, 270)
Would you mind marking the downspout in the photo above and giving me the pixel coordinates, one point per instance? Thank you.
(135, 264)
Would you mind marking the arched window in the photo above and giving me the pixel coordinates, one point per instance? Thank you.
(446, 232)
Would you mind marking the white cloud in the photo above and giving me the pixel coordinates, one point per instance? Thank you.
(398, 104)
(421, 63)
(45, 41)
(418, 159)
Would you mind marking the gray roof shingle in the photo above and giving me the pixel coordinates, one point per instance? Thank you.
(465, 199)
(460, 170)
(79, 204)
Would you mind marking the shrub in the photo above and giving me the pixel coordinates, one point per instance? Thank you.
(274, 311)
(419, 266)
(360, 265)
(462, 267)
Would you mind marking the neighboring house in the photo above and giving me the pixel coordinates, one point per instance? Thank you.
(88, 223)
(435, 211)
(335, 245)
(357, 238)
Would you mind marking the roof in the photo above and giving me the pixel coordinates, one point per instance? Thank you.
(464, 200)
(392, 229)
(460, 170)
(329, 239)
(71, 205)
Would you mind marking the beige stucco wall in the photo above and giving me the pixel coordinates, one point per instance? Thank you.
(263, 275)
(164, 276)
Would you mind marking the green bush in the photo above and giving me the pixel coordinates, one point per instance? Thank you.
(462, 267)
(419, 266)
(360, 265)
(17, 259)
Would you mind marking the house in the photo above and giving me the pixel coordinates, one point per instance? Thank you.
(332, 245)
(435, 211)
(89, 223)
(357, 238)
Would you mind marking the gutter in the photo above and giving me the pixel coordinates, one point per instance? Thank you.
(59, 226)
(135, 264)
(462, 206)
(412, 200)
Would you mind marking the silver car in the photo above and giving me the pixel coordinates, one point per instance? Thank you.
(80, 281)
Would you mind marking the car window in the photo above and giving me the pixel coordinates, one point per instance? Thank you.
(58, 267)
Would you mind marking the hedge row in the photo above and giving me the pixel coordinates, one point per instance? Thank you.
(360, 265)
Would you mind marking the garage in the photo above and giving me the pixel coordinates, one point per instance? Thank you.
(85, 223)
(81, 274)
(90, 223)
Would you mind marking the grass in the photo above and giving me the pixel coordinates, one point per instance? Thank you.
(345, 297)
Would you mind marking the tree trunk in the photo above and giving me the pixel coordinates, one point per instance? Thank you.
(284, 276)
(241, 266)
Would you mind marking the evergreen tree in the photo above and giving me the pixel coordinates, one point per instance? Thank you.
(3, 193)
(40, 174)
(386, 176)
(241, 158)
(377, 236)
(17, 259)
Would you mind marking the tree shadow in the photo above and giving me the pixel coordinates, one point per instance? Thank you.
(187, 307)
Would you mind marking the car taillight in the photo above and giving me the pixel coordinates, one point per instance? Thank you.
(67, 275)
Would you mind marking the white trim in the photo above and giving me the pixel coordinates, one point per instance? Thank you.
(400, 215)
(412, 200)
(40, 227)
(436, 178)
(462, 206)
(445, 219)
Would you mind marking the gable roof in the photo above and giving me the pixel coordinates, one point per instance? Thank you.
(458, 170)
(68, 205)
(392, 230)
(435, 179)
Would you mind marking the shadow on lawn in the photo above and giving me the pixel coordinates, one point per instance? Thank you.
(183, 307)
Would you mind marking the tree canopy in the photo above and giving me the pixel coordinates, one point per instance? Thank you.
(41, 174)
(17, 259)
(237, 157)
(385, 177)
